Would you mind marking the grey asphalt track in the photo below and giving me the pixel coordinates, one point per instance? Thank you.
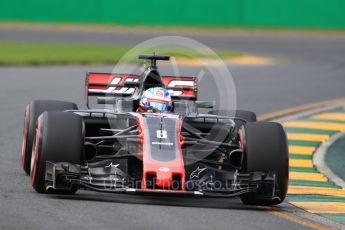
(308, 69)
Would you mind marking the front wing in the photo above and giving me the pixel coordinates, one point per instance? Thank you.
(110, 179)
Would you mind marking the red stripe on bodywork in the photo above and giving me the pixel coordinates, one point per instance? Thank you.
(140, 136)
(103, 87)
(103, 79)
(180, 143)
(188, 93)
(25, 135)
(168, 79)
(37, 141)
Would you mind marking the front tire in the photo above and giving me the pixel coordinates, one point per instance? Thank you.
(59, 138)
(32, 112)
(266, 149)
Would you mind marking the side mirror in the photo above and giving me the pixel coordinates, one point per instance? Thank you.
(204, 104)
(106, 100)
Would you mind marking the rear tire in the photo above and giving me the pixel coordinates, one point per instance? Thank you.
(59, 138)
(266, 149)
(32, 112)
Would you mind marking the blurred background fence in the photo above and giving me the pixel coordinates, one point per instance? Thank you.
(322, 14)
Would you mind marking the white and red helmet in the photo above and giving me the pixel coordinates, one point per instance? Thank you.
(156, 99)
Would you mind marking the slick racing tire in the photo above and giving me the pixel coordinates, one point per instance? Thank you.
(59, 138)
(32, 111)
(265, 149)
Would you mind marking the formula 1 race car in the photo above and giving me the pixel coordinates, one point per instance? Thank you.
(122, 149)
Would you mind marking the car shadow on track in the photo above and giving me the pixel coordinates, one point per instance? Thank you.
(216, 203)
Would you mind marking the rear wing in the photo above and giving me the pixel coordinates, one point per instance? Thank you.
(114, 85)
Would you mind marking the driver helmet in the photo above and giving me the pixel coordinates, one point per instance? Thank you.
(156, 99)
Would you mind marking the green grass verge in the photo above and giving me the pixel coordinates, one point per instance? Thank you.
(313, 198)
(304, 143)
(24, 53)
(303, 169)
(326, 184)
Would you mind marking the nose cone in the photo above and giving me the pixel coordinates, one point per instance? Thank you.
(165, 177)
(164, 181)
(162, 154)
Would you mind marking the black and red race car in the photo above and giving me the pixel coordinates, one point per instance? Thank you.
(217, 153)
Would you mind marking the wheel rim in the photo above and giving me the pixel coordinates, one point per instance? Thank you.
(25, 134)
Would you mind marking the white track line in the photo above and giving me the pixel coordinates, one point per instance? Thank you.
(319, 160)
